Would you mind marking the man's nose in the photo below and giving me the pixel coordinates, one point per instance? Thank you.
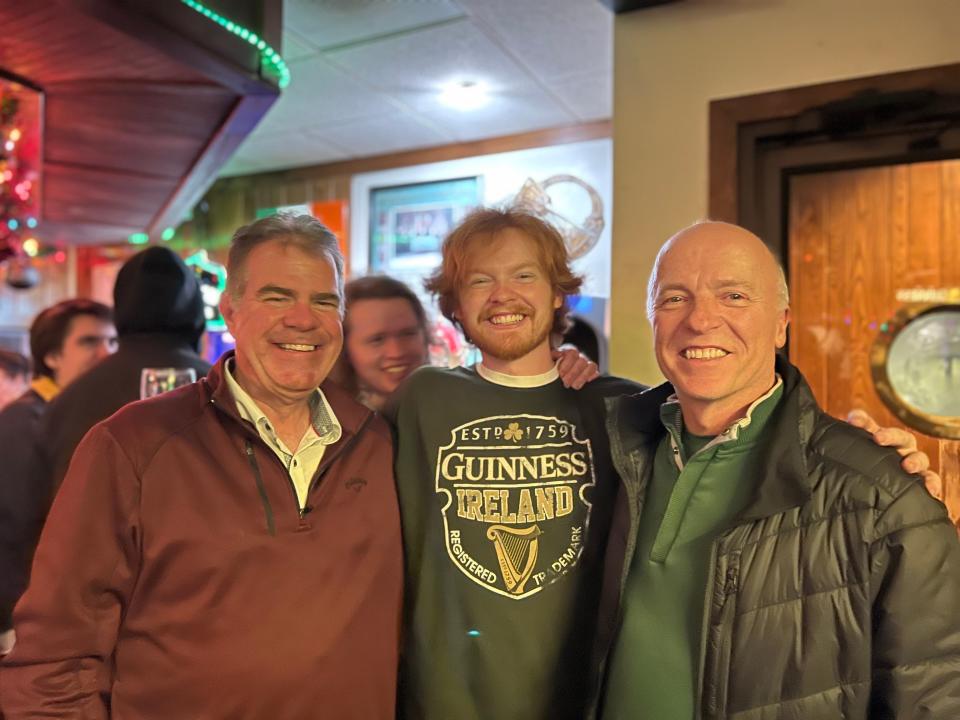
(299, 317)
(501, 291)
(703, 316)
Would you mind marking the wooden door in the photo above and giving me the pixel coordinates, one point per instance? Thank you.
(855, 238)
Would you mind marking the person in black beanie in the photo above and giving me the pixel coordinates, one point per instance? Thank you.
(158, 311)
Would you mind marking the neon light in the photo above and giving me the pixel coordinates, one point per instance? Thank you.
(272, 62)
(213, 281)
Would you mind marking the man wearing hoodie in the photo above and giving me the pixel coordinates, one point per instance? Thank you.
(158, 311)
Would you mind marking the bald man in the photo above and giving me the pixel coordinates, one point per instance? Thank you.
(785, 566)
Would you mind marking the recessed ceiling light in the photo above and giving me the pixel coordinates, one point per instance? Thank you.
(465, 95)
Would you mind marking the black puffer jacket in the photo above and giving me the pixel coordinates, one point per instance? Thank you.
(835, 594)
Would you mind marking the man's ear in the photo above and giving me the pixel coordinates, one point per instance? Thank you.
(782, 322)
(52, 360)
(226, 308)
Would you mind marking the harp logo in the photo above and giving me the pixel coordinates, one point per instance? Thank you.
(514, 491)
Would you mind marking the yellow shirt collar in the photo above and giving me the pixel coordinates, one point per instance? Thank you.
(45, 387)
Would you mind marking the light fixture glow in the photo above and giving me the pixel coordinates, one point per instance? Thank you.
(138, 238)
(168, 234)
(31, 247)
(465, 95)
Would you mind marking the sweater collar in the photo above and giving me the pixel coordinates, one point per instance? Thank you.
(745, 430)
(349, 413)
(783, 480)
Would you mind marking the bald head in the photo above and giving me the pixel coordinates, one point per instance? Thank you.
(713, 236)
(718, 306)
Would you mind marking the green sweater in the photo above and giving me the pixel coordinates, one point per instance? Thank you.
(698, 487)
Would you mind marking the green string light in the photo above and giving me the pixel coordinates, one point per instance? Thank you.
(272, 62)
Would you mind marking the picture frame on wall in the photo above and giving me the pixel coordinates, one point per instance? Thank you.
(409, 222)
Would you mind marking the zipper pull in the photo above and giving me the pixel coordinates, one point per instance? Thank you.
(731, 581)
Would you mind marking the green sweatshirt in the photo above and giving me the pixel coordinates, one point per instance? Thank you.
(506, 495)
(698, 487)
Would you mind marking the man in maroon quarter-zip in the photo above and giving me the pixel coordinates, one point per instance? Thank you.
(230, 549)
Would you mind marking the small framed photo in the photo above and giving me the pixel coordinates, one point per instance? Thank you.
(409, 222)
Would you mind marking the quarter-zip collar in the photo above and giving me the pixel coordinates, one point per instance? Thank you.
(783, 481)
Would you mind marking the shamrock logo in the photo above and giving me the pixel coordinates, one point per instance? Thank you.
(514, 432)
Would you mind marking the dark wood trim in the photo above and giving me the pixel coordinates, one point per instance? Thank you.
(625, 6)
(246, 112)
(19, 80)
(521, 141)
(728, 115)
(175, 30)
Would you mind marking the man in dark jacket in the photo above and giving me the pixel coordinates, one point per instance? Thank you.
(158, 311)
(229, 549)
(778, 563)
(66, 340)
(14, 376)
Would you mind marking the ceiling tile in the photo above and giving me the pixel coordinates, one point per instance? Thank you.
(507, 113)
(336, 23)
(551, 37)
(385, 134)
(286, 150)
(425, 60)
(589, 95)
(319, 93)
(296, 48)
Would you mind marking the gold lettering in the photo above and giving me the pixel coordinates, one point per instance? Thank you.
(528, 469)
(445, 467)
(579, 461)
(564, 498)
(490, 511)
(509, 518)
(525, 512)
(547, 469)
(469, 467)
(544, 498)
(473, 499)
(505, 464)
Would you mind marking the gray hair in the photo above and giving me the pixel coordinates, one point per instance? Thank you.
(783, 291)
(302, 231)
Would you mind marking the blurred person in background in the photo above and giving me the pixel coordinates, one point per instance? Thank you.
(66, 340)
(159, 315)
(386, 338)
(14, 376)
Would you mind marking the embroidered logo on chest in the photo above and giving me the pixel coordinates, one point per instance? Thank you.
(513, 492)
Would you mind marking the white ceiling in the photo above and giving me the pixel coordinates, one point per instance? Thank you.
(366, 75)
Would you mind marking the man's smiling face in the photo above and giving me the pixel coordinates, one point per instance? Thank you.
(717, 316)
(506, 301)
(286, 322)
